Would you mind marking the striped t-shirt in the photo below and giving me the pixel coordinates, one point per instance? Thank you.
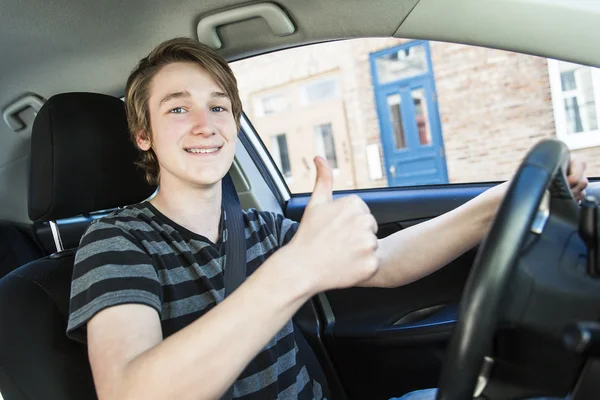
(138, 255)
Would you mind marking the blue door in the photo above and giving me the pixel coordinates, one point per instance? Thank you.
(411, 134)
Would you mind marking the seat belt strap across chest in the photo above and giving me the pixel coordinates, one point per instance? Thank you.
(235, 244)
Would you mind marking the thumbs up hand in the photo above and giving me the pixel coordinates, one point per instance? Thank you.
(335, 245)
(323, 191)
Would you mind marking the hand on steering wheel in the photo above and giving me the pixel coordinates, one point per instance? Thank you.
(576, 178)
(546, 168)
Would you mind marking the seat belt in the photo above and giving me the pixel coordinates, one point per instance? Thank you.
(235, 250)
(235, 274)
(315, 371)
(235, 245)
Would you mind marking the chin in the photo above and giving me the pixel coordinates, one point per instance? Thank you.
(207, 180)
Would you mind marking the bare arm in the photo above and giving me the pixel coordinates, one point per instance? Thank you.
(130, 361)
(418, 251)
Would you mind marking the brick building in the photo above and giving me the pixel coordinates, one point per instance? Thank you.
(396, 112)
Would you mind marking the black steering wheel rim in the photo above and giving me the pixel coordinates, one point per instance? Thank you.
(544, 168)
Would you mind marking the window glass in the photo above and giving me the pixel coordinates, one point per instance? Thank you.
(325, 144)
(393, 102)
(271, 104)
(421, 116)
(401, 63)
(389, 112)
(280, 154)
(319, 90)
(576, 97)
(578, 92)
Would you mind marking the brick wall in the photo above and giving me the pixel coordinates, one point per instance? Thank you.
(494, 105)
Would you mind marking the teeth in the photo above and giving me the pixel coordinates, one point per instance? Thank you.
(203, 151)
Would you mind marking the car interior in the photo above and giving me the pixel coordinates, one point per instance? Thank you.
(517, 317)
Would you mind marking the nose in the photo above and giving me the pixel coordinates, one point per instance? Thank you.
(202, 123)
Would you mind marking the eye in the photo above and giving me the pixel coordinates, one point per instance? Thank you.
(177, 110)
(217, 109)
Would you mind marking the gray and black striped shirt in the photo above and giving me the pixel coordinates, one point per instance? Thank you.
(138, 255)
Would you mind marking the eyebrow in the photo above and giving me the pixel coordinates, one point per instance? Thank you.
(174, 95)
(219, 95)
(186, 94)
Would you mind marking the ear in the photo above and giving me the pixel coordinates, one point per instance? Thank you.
(142, 139)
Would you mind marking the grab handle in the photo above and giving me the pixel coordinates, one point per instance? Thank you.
(276, 18)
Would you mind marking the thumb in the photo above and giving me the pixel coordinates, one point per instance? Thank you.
(323, 191)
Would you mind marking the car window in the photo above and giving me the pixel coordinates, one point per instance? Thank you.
(391, 112)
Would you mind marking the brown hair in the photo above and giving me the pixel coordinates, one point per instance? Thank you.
(137, 91)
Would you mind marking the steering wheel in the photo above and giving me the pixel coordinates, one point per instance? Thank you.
(542, 173)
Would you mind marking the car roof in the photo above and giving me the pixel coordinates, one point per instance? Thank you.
(51, 47)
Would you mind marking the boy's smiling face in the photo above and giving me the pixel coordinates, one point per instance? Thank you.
(194, 133)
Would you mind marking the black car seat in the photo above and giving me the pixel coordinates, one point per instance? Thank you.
(81, 161)
(16, 248)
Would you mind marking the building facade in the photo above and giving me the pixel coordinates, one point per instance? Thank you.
(391, 112)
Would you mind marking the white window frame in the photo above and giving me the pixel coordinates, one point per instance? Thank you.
(578, 140)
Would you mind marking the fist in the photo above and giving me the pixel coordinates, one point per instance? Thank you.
(576, 178)
(336, 242)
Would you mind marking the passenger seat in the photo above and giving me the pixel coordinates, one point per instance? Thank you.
(16, 248)
(37, 359)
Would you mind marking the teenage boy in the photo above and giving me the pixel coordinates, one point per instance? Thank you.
(148, 282)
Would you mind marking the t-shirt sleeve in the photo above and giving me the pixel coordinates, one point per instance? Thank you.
(285, 228)
(111, 268)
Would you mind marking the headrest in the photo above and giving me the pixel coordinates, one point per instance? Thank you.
(82, 159)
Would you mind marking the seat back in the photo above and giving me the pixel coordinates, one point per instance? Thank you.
(37, 360)
(16, 249)
(81, 161)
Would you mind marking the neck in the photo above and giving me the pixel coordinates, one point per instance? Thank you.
(195, 208)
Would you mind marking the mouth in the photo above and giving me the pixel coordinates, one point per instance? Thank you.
(203, 150)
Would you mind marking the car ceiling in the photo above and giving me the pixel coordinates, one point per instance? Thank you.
(50, 47)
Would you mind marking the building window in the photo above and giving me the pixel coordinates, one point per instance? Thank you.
(280, 154)
(401, 64)
(271, 104)
(576, 102)
(326, 144)
(395, 111)
(319, 90)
